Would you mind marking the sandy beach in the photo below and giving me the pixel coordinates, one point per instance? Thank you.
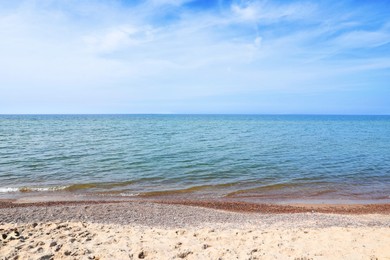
(148, 230)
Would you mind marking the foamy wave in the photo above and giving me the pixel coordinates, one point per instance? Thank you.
(128, 194)
(55, 188)
(7, 190)
(121, 194)
(31, 189)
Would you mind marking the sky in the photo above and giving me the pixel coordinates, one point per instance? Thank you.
(188, 56)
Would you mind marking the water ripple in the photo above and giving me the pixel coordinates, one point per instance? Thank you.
(236, 156)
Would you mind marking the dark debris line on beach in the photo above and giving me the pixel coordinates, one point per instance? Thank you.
(281, 209)
(231, 206)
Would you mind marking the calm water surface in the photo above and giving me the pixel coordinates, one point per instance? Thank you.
(247, 157)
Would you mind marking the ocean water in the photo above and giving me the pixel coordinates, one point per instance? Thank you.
(237, 157)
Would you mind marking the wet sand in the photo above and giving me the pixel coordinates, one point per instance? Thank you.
(221, 205)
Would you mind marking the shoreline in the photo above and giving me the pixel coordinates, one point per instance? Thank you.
(225, 205)
(188, 194)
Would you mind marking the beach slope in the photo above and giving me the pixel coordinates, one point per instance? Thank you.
(145, 230)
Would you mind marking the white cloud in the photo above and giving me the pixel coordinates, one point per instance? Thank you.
(249, 13)
(117, 54)
(120, 37)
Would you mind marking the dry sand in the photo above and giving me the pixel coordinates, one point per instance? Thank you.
(144, 230)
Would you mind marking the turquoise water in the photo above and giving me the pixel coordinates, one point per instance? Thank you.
(251, 157)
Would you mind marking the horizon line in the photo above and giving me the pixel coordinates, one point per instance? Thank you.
(259, 114)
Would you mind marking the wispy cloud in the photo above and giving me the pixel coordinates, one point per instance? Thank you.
(184, 56)
(265, 12)
(363, 39)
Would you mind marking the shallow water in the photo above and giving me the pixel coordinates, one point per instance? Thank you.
(251, 157)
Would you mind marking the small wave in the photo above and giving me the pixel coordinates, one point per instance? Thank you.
(275, 187)
(70, 187)
(31, 189)
(102, 185)
(188, 190)
(129, 194)
(270, 187)
(7, 190)
(116, 194)
(126, 194)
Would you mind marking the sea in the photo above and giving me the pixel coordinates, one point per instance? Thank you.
(256, 158)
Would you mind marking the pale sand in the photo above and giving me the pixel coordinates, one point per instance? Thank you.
(155, 231)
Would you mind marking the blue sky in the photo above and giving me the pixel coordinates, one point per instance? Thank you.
(178, 56)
